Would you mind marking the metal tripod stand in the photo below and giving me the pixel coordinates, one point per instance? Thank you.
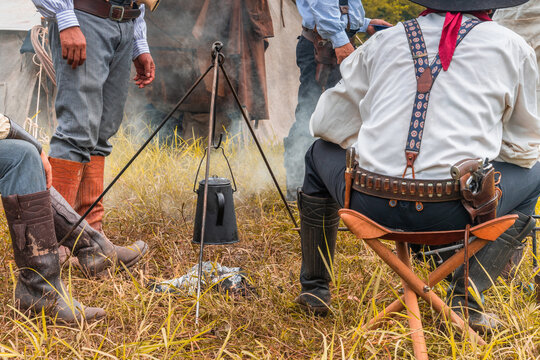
(217, 64)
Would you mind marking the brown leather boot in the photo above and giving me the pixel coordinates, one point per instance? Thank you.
(93, 250)
(66, 178)
(89, 190)
(39, 286)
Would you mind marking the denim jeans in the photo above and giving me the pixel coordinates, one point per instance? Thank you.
(21, 169)
(299, 138)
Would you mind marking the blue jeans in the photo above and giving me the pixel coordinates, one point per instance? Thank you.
(90, 100)
(21, 169)
(325, 177)
(299, 138)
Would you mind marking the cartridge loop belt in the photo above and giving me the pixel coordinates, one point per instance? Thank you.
(397, 188)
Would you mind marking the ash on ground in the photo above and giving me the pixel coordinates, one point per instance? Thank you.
(222, 278)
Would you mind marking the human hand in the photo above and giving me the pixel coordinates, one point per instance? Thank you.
(371, 30)
(343, 51)
(146, 70)
(48, 169)
(73, 45)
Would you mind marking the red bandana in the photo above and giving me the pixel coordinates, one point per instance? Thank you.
(452, 23)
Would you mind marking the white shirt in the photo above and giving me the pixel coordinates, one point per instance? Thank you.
(483, 106)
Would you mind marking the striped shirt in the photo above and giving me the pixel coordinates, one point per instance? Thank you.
(63, 12)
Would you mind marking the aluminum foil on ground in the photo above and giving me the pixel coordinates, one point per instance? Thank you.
(226, 279)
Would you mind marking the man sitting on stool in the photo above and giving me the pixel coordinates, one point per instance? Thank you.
(479, 79)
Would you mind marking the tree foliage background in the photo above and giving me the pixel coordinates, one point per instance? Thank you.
(392, 11)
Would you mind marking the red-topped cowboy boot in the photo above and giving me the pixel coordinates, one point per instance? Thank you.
(91, 186)
(66, 178)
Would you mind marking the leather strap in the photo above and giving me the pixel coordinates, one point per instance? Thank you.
(426, 74)
(396, 188)
(105, 10)
(309, 34)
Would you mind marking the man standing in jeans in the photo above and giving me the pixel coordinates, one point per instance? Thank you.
(92, 44)
(327, 27)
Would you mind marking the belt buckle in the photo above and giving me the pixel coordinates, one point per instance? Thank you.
(111, 15)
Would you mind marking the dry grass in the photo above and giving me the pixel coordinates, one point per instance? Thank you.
(154, 202)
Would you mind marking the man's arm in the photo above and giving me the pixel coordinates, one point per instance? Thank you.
(337, 116)
(144, 64)
(521, 124)
(328, 21)
(72, 39)
(327, 15)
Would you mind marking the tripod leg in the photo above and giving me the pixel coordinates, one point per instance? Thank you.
(211, 122)
(244, 115)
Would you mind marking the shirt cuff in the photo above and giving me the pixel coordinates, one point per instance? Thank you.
(339, 39)
(140, 46)
(364, 27)
(66, 19)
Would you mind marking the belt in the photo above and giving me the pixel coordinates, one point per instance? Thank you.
(396, 188)
(105, 10)
(312, 35)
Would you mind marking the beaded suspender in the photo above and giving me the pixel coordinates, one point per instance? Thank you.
(425, 77)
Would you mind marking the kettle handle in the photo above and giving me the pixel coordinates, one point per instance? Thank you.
(200, 164)
(221, 208)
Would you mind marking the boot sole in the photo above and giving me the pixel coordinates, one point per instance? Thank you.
(321, 311)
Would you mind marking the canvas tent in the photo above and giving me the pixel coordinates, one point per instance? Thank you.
(18, 73)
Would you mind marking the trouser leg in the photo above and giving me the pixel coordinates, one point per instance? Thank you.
(299, 138)
(520, 191)
(114, 97)
(21, 169)
(79, 99)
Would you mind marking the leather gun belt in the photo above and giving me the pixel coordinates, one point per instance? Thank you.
(396, 188)
(105, 10)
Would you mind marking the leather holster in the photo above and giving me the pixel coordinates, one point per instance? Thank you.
(481, 205)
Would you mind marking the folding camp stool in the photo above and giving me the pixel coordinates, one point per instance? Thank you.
(371, 232)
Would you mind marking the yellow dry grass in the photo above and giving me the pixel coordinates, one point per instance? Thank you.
(154, 202)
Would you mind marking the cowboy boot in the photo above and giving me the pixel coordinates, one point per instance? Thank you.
(319, 221)
(66, 178)
(95, 253)
(484, 269)
(90, 189)
(39, 286)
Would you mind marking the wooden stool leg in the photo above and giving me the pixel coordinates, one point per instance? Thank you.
(411, 300)
(434, 278)
(419, 287)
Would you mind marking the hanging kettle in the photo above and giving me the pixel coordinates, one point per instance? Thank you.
(220, 227)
